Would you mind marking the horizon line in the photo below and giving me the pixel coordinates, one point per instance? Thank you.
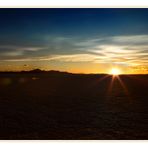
(44, 71)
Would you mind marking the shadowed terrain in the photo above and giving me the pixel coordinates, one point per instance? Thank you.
(55, 105)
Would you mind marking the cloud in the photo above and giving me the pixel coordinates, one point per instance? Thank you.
(124, 50)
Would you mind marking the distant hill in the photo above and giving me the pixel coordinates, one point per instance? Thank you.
(36, 71)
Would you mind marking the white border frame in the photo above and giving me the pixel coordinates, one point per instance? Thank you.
(73, 3)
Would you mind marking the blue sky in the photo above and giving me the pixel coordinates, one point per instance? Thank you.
(74, 39)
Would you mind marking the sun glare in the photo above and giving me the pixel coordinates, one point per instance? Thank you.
(115, 71)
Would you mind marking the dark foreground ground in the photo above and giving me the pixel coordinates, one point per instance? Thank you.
(66, 106)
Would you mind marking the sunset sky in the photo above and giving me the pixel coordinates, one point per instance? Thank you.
(74, 40)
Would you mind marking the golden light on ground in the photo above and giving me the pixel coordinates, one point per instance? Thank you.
(115, 71)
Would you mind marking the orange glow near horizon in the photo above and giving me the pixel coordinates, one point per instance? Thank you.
(74, 67)
(115, 71)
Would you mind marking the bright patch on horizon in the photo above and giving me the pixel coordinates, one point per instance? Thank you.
(115, 71)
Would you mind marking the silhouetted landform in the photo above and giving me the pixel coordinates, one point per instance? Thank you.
(35, 71)
(60, 105)
(43, 71)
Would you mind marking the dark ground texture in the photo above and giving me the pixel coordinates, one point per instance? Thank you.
(64, 106)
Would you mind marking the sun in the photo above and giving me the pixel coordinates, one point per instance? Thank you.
(115, 71)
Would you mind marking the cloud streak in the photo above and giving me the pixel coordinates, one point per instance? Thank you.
(131, 50)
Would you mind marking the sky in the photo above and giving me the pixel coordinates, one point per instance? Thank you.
(78, 40)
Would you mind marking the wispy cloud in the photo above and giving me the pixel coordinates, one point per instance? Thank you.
(125, 50)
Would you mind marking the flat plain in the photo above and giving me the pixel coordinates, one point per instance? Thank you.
(58, 106)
